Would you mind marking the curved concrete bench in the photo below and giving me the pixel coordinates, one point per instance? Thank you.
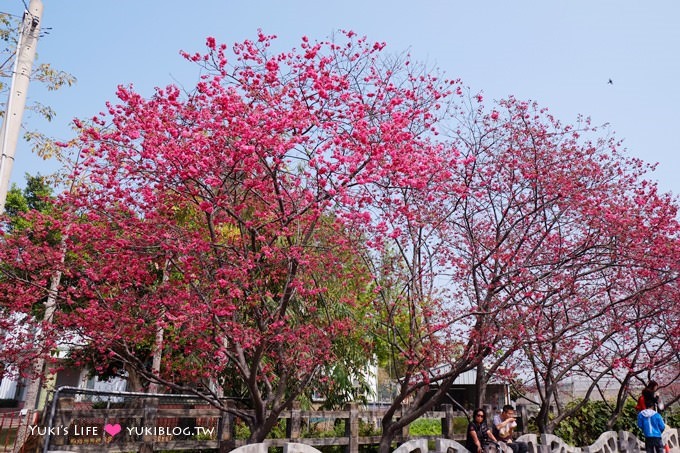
(608, 442)
(251, 448)
(531, 440)
(557, 445)
(419, 445)
(292, 447)
(670, 438)
(628, 443)
(449, 446)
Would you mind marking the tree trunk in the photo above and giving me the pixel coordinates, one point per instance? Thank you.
(158, 343)
(134, 381)
(621, 398)
(259, 431)
(385, 445)
(33, 391)
(482, 377)
(542, 420)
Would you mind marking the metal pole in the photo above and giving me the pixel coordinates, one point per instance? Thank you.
(16, 102)
(50, 422)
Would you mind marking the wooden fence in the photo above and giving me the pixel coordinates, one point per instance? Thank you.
(125, 422)
(152, 424)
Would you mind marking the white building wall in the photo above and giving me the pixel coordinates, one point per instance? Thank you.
(112, 385)
(8, 388)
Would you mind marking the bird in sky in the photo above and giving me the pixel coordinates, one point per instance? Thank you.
(611, 82)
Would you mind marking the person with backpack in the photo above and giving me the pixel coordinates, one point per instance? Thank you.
(652, 426)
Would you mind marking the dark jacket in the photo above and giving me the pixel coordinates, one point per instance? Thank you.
(481, 429)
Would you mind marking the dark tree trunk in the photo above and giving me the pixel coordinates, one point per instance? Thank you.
(482, 377)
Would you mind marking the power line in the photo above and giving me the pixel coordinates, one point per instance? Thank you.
(44, 31)
(4, 13)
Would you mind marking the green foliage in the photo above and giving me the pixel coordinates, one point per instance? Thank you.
(426, 427)
(531, 426)
(344, 384)
(586, 425)
(16, 202)
(433, 426)
(204, 436)
(627, 421)
(324, 428)
(37, 195)
(321, 429)
(241, 429)
(277, 432)
(672, 418)
(345, 380)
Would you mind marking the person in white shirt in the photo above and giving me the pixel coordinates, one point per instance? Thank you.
(504, 425)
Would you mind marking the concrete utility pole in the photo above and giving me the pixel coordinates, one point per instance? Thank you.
(16, 102)
(29, 32)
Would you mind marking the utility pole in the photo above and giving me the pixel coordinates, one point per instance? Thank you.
(16, 102)
(29, 32)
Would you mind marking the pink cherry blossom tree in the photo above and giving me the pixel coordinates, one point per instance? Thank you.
(562, 233)
(229, 239)
(646, 350)
(210, 228)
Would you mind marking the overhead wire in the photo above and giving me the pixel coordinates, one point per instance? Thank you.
(10, 14)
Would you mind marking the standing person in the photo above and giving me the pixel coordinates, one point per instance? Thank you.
(504, 425)
(652, 425)
(479, 435)
(649, 393)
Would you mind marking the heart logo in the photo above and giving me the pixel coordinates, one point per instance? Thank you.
(112, 430)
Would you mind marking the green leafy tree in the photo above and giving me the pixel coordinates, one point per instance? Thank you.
(590, 419)
(585, 424)
(37, 195)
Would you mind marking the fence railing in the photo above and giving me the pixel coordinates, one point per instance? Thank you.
(84, 420)
(11, 423)
(80, 420)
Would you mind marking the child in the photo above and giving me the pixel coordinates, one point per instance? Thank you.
(652, 425)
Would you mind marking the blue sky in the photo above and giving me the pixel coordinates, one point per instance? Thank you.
(558, 53)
